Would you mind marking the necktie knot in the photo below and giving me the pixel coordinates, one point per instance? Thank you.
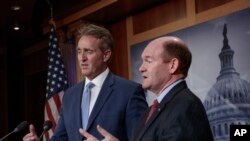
(90, 85)
(155, 103)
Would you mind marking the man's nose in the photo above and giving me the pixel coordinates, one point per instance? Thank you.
(141, 68)
(83, 57)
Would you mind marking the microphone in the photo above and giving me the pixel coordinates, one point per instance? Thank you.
(46, 126)
(19, 128)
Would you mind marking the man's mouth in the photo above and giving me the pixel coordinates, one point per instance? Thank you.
(84, 66)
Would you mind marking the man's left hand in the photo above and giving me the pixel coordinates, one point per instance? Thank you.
(102, 131)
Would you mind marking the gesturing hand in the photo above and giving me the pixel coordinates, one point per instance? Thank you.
(32, 136)
(107, 136)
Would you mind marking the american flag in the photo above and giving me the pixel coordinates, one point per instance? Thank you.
(56, 83)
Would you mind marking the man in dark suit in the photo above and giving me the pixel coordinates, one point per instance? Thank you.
(115, 103)
(177, 114)
(180, 115)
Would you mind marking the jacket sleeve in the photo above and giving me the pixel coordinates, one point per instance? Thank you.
(136, 107)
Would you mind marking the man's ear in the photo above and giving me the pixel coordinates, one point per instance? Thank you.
(174, 65)
(107, 55)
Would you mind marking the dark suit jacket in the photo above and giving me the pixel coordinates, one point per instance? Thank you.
(119, 105)
(180, 117)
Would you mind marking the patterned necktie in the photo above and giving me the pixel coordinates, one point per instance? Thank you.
(85, 104)
(152, 110)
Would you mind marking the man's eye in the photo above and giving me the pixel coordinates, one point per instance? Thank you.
(90, 51)
(149, 61)
(78, 51)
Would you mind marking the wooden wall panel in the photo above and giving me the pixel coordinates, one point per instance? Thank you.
(203, 5)
(119, 60)
(34, 90)
(33, 79)
(168, 12)
(36, 61)
(213, 10)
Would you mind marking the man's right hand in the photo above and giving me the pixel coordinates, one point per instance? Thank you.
(32, 136)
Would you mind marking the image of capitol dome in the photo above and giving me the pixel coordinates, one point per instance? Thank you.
(228, 101)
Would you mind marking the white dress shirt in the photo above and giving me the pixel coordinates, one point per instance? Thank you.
(98, 81)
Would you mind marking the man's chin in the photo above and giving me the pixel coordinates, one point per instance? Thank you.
(84, 73)
(144, 86)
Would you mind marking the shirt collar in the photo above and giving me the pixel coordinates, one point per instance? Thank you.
(99, 79)
(167, 89)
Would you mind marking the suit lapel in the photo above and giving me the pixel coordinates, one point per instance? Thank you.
(143, 127)
(172, 93)
(102, 98)
(78, 116)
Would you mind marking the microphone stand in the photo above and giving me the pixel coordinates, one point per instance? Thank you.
(41, 135)
(6, 135)
(19, 127)
(46, 126)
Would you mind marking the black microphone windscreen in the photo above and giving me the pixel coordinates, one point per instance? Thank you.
(47, 125)
(21, 126)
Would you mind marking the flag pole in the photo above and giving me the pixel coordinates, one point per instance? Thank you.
(51, 8)
(51, 21)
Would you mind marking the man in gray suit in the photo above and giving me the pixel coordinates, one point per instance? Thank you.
(177, 114)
